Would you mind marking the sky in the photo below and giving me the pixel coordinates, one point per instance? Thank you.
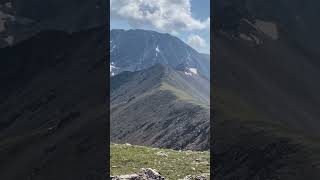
(188, 20)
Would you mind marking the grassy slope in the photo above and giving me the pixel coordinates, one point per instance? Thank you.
(181, 95)
(130, 159)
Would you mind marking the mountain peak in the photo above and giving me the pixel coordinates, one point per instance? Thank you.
(150, 48)
(140, 31)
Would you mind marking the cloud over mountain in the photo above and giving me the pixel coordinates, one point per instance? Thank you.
(163, 15)
(196, 42)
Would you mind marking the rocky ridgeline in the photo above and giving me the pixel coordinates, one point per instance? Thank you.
(151, 174)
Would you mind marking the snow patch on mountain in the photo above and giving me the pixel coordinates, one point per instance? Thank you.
(268, 28)
(188, 73)
(157, 50)
(193, 70)
(113, 47)
(245, 37)
(251, 37)
(112, 68)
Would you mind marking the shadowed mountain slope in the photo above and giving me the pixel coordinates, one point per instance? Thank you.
(53, 111)
(266, 97)
(19, 20)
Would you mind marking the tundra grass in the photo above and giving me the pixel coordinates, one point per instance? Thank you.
(128, 159)
(181, 95)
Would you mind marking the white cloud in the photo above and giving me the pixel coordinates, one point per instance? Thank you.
(207, 22)
(163, 15)
(196, 42)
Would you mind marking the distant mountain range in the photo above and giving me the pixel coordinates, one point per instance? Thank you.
(133, 50)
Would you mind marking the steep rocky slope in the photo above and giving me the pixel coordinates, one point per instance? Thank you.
(266, 97)
(160, 107)
(53, 107)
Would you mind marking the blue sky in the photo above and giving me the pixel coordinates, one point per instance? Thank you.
(186, 19)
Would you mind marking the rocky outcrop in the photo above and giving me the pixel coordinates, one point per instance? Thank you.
(145, 174)
(197, 177)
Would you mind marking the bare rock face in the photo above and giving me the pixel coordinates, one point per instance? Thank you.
(145, 174)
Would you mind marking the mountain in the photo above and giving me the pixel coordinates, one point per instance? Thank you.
(267, 121)
(19, 20)
(53, 106)
(161, 107)
(133, 50)
(296, 19)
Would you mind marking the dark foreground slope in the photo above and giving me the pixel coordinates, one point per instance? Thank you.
(267, 98)
(19, 19)
(160, 107)
(53, 111)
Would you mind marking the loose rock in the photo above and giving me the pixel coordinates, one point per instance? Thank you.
(162, 154)
(145, 174)
(196, 177)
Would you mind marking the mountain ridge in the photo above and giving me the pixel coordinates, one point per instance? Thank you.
(152, 106)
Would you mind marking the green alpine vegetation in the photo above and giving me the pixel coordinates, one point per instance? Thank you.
(171, 164)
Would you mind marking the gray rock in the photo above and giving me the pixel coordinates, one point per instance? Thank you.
(196, 177)
(127, 177)
(151, 174)
(145, 174)
(162, 154)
